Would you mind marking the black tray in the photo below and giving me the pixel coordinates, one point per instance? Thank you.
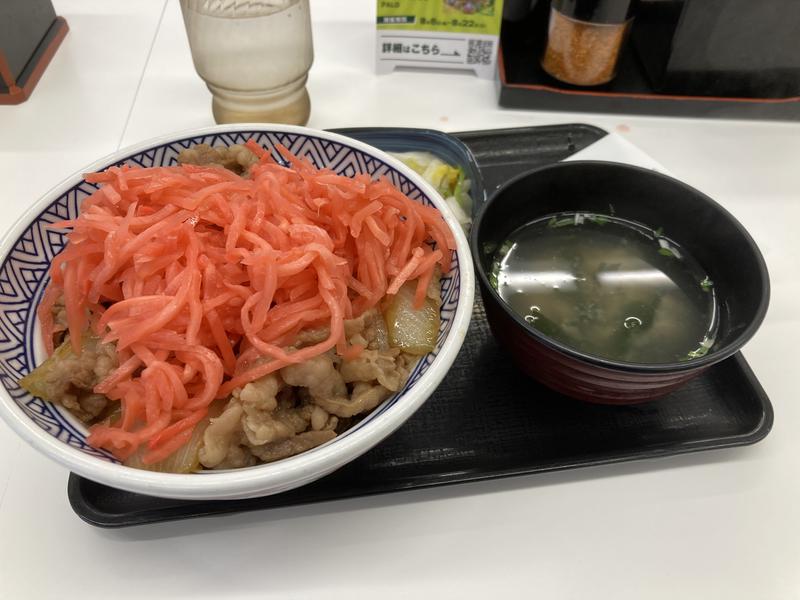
(487, 420)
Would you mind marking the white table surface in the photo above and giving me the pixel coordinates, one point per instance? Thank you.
(722, 524)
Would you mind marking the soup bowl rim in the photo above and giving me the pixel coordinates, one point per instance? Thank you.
(712, 357)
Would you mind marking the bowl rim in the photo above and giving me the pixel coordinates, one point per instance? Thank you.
(271, 477)
(607, 363)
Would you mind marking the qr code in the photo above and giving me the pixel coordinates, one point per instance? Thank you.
(479, 52)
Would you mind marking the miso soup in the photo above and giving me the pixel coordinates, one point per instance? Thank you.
(608, 287)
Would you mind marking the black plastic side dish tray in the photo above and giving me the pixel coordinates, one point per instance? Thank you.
(488, 420)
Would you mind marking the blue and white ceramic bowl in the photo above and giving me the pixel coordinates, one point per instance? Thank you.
(26, 252)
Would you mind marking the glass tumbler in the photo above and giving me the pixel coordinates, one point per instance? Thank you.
(254, 56)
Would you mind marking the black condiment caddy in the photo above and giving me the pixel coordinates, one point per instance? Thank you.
(30, 34)
(688, 58)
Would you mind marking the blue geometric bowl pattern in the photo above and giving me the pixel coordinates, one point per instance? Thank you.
(23, 273)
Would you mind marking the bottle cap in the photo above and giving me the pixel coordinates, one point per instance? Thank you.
(596, 11)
